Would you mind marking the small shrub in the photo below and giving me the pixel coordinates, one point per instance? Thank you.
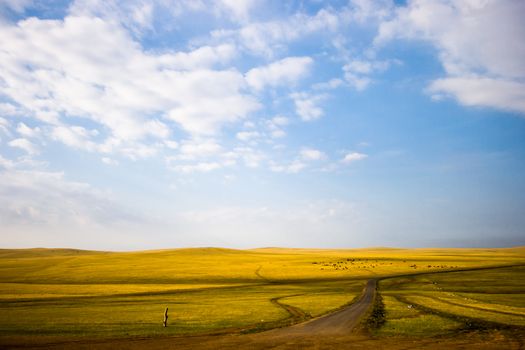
(377, 317)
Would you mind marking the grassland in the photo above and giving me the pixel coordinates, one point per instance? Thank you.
(86, 294)
(446, 303)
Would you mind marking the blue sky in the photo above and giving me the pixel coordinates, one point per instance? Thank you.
(154, 124)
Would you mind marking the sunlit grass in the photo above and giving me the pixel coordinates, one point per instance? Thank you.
(327, 297)
(486, 315)
(189, 312)
(422, 325)
(516, 300)
(214, 265)
(491, 305)
(35, 291)
(101, 294)
(479, 298)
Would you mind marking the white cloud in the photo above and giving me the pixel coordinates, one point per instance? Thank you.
(202, 167)
(26, 131)
(6, 163)
(291, 168)
(249, 124)
(322, 222)
(42, 196)
(130, 149)
(202, 57)
(358, 66)
(156, 129)
(109, 161)
(81, 138)
(275, 125)
(195, 149)
(171, 144)
(210, 99)
(312, 154)
(137, 16)
(248, 135)
(207, 155)
(143, 16)
(240, 9)
(366, 11)
(49, 68)
(353, 156)
(280, 120)
(328, 85)
(306, 105)
(15, 5)
(277, 134)
(481, 45)
(75, 136)
(8, 110)
(283, 72)
(265, 38)
(358, 82)
(357, 71)
(251, 157)
(4, 126)
(301, 162)
(479, 91)
(25, 145)
(44, 208)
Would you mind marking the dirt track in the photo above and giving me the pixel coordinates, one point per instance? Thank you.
(338, 323)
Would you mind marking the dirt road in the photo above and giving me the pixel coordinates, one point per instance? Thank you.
(338, 323)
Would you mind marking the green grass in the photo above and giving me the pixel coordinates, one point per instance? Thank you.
(423, 325)
(190, 312)
(142, 315)
(513, 300)
(72, 293)
(440, 305)
(325, 297)
(404, 320)
(441, 302)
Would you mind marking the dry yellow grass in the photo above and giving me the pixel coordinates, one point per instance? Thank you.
(75, 293)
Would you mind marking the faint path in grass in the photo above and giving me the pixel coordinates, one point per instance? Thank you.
(258, 274)
(296, 314)
(469, 306)
(468, 322)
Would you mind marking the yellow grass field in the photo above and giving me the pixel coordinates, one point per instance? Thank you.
(73, 294)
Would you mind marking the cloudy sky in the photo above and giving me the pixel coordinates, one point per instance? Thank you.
(245, 123)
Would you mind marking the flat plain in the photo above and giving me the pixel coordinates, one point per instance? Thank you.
(438, 297)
